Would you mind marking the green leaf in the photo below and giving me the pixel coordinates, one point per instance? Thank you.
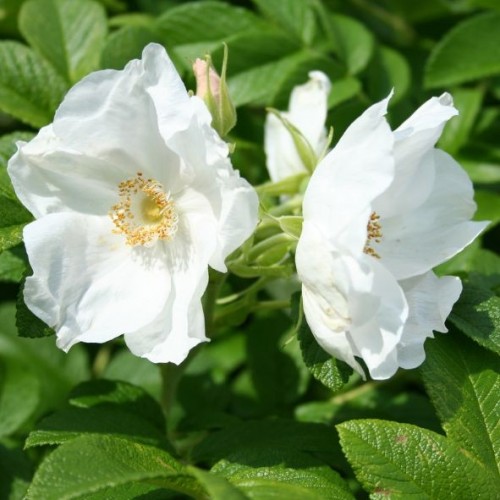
(343, 90)
(295, 17)
(477, 314)
(355, 43)
(15, 473)
(30, 89)
(463, 383)
(138, 371)
(10, 236)
(331, 372)
(56, 371)
(457, 131)
(216, 486)
(126, 44)
(275, 375)
(68, 33)
(271, 82)
(488, 206)
(403, 461)
(89, 464)
(315, 439)
(471, 50)
(119, 395)
(193, 29)
(66, 425)
(19, 395)
(388, 70)
(268, 474)
(12, 265)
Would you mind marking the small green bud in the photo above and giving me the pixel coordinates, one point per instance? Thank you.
(214, 91)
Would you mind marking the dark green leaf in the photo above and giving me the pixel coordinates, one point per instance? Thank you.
(28, 325)
(471, 50)
(68, 33)
(66, 425)
(12, 265)
(15, 474)
(315, 439)
(403, 461)
(331, 372)
(463, 384)
(477, 314)
(119, 395)
(30, 89)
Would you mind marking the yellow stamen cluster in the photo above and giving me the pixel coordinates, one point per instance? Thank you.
(145, 213)
(374, 230)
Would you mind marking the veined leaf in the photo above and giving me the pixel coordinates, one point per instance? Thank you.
(30, 88)
(463, 383)
(68, 33)
(403, 461)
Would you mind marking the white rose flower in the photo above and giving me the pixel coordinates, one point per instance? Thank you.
(381, 210)
(134, 197)
(307, 112)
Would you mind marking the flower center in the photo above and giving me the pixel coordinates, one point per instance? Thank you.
(145, 212)
(374, 231)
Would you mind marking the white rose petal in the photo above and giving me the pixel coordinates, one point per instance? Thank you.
(134, 197)
(381, 210)
(307, 112)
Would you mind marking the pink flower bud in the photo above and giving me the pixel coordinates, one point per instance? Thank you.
(207, 79)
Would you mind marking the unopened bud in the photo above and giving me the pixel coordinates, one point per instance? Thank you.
(213, 89)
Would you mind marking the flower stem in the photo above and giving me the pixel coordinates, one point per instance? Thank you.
(215, 281)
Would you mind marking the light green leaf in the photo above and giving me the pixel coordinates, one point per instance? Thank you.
(196, 28)
(12, 265)
(126, 44)
(268, 474)
(395, 460)
(457, 131)
(89, 464)
(10, 236)
(295, 17)
(477, 314)
(216, 486)
(355, 43)
(19, 395)
(68, 33)
(463, 383)
(471, 50)
(331, 372)
(30, 89)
